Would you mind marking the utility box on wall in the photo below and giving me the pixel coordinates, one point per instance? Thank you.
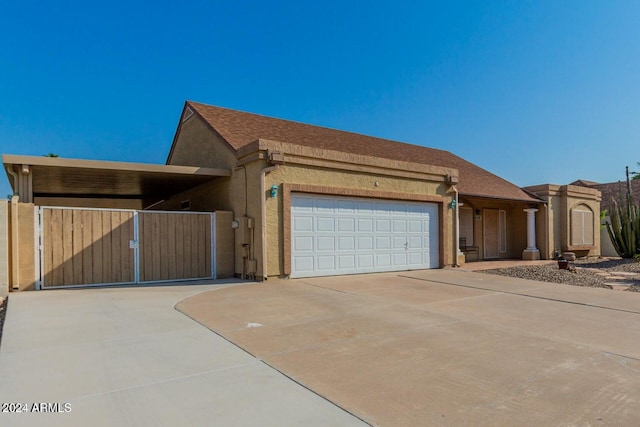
(245, 262)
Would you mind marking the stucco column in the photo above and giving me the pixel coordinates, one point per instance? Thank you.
(457, 241)
(531, 252)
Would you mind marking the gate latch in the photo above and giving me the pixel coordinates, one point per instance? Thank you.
(133, 244)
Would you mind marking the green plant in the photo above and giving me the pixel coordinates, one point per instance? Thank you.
(624, 224)
(636, 174)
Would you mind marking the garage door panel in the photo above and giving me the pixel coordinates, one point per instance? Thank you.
(346, 261)
(325, 224)
(383, 242)
(415, 242)
(383, 261)
(365, 242)
(415, 226)
(399, 259)
(303, 264)
(303, 223)
(326, 244)
(346, 243)
(365, 224)
(416, 258)
(399, 226)
(342, 235)
(383, 226)
(326, 263)
(303, 244)
(365, 261)
(399, 242)
(346, 224)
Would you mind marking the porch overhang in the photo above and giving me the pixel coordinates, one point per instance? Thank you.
(33, 176)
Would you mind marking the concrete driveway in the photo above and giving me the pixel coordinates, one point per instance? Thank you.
(443, 347)
(126, 357)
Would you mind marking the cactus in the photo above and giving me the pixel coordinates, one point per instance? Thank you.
(624, 225)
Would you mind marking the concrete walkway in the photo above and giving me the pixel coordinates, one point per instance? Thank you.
(126, 357)
(444, 347)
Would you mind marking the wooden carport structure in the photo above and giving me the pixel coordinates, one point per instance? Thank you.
(78, 222)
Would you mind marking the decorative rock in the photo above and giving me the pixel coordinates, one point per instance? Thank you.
(569, 256)
(618, 286)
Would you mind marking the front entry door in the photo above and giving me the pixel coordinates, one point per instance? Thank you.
(490, 231)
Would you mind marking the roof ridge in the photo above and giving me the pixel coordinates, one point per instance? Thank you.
(240, 128)
(316, 126)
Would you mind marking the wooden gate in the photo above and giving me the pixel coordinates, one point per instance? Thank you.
(81, 246)
(175, 246)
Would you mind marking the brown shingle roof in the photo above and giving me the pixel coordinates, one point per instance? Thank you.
(239, 129)
(612, 190)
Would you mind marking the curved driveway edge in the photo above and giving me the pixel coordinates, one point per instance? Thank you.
(443, 347)
(126, 357)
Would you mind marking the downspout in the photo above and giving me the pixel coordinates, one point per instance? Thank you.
(263, 219)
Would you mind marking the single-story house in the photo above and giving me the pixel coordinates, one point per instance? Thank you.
(301, 200)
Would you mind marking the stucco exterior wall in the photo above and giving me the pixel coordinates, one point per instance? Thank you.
(23, 246)
(248, 208)
(561, 200)
(4, 248)
(207, 197)
(197, 145)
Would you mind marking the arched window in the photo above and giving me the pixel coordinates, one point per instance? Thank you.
(582, 227)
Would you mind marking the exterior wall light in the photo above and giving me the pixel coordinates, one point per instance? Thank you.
(274, 191)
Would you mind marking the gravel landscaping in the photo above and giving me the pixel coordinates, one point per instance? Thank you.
(597, 273)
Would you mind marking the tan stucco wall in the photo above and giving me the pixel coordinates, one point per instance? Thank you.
(4, 248)
(561, 199)
(207, 197)
(23, 246)
(197, 145)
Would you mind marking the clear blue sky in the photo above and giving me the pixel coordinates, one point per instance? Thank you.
(534, 91)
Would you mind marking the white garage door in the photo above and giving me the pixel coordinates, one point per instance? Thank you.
(333, 235)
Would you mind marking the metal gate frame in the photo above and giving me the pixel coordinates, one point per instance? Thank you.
(133, 244)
